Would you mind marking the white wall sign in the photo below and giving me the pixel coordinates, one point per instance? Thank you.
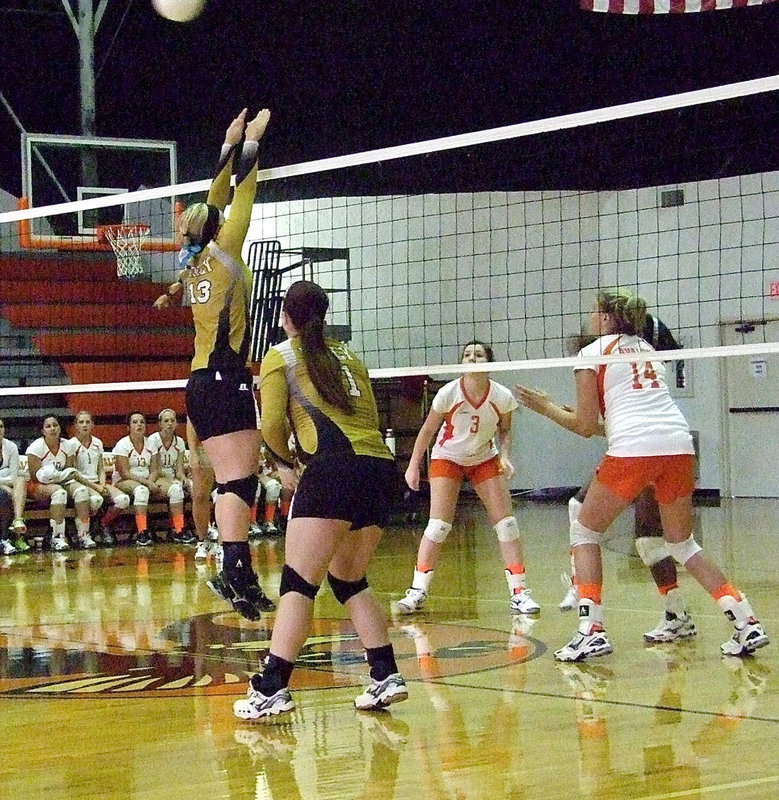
(759, 368)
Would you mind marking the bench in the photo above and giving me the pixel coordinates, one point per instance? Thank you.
(38, 513)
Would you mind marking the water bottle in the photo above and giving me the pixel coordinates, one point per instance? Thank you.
(389, 440)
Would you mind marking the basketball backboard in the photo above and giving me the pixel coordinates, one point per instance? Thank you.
(62, 169)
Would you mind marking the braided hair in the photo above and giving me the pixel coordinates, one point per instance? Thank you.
(306, 304)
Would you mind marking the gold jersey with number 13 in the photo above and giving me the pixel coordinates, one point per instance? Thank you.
(218, 285)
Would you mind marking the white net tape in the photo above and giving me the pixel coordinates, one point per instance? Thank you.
(127, 242)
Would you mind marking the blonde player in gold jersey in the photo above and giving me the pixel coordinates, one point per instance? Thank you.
(220, 398)
(321, 390)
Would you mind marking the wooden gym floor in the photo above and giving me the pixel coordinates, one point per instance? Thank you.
(118, 669)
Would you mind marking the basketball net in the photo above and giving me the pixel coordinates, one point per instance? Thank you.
(127, 242)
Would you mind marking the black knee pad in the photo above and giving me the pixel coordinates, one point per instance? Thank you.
(346, 590)
(291, 581)
(245, 488)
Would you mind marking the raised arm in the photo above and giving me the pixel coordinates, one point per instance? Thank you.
(233, 232)
(582, 420)
(426, 433)
(219, 193)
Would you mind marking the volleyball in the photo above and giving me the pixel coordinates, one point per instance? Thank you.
(179, 10)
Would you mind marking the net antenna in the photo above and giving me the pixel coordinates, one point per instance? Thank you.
(127, 242)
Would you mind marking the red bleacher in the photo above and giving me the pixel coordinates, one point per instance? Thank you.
(93, 315)
(99, 328)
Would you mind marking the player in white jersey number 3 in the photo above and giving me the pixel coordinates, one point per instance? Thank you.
(468, 413)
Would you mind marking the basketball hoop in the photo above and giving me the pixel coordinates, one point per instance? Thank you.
(127, 242)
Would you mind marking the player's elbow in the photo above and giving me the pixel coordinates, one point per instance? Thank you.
(587, 428)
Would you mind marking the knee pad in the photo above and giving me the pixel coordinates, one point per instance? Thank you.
(244, 488)
(122, 501)
(507, 529)
(581, 535)
(176, 493)
(437, 530)
(95, 501)
(683, 551)
(81, 494)
(291, 581)
(59, 497)
(272, 490)
(346, 590)
(141, 496)
(574, 507)
(651, 549)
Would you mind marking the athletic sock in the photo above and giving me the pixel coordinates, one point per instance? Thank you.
(515, 577)
(726, 590)
(673, 599)
(110, 515)
(423, 577)
(237, 560)
(381, 661)
(275, 675)
(590, 615)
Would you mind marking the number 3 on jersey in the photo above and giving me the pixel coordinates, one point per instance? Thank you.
(199, 292)
(649, 376)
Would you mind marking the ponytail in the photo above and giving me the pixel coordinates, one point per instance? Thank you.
(306, 304)
(627, 309)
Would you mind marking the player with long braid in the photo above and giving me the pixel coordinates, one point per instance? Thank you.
(321, 390)
(220, 397)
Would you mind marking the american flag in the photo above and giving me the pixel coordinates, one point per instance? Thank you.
(665, 6)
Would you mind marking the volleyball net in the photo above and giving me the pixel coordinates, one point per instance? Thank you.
(496, 235)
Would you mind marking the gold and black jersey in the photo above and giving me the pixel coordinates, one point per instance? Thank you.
(218, 284)
(289, 399)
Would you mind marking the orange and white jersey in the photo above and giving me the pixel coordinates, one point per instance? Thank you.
(87, 457)
(641, 417)
(169, 456)
(41, 449)
(466, 437)
(140, 460)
